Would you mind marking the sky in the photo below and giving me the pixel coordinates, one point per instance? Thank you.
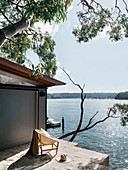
(100, 64)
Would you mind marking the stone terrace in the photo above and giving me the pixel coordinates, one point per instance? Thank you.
(81, 159)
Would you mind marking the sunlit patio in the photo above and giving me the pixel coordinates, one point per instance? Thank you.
(80, 159)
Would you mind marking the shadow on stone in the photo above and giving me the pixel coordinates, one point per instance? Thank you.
(30, 162)
(94, 164)
(12, 151)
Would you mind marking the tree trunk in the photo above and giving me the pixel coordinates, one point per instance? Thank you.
(81, 118)
(10, 30)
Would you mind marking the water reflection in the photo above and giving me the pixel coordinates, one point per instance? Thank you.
(108, 137)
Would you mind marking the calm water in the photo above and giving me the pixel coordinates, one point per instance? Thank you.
(108, 137)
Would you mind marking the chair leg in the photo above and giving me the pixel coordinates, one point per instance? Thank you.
(41, 150)
(57, 148)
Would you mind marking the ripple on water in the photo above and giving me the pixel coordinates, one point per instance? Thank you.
(108, 137)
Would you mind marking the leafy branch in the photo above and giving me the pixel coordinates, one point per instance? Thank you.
(94, 18)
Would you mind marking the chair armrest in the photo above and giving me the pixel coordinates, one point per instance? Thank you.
(57, 140)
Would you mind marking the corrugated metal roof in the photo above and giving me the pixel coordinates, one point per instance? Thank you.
(23, 72)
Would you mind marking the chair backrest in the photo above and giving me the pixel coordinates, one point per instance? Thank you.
(45, 138)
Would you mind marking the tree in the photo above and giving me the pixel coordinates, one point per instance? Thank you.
(15, 50)
(116, 111)
(18, 19)
(94, 17)
(17, 33)
(122, 96)
(19, 15)
(45, 51)
(123, 109)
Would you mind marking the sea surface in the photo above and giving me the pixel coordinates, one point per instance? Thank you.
(108, 137)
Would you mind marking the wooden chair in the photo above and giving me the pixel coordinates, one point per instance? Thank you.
(47, 140)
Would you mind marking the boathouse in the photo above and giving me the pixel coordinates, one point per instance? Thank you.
(23, 103)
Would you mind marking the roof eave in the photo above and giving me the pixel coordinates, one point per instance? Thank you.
(24, 72)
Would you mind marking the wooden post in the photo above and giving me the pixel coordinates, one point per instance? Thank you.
(37, 110)
(63, 124)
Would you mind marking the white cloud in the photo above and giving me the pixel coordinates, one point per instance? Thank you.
(51, 28)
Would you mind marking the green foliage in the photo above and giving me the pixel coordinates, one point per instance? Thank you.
(47, 57)
(32, 11)
(15, 50)
(39, 10)
(90, 25)
(122, 111)
(122, 96)
(94, 18)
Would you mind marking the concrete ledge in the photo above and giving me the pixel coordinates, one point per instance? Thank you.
(81, 159)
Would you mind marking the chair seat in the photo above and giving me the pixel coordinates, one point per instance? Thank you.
(46, 141)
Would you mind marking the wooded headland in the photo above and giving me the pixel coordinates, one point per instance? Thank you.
(77, 95)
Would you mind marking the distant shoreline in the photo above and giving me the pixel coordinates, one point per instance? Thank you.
(77, 95)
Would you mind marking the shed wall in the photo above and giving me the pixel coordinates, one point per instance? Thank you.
(42, 108)
(17, 117)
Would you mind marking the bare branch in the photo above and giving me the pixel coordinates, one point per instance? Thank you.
(98, 4)
(71, 79)
(126, 6)
(116, 6)
(83, 86)
(85, 128)
(115, 116)
(116, 3)
(19, 1)
(81, 106)
(17, 4)
(110, 114)
(95, 6)
(88, 126)
(28, 33)
(100, 121)
(85, 3)
(5, 17)
(90, 121)
(85, 96)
